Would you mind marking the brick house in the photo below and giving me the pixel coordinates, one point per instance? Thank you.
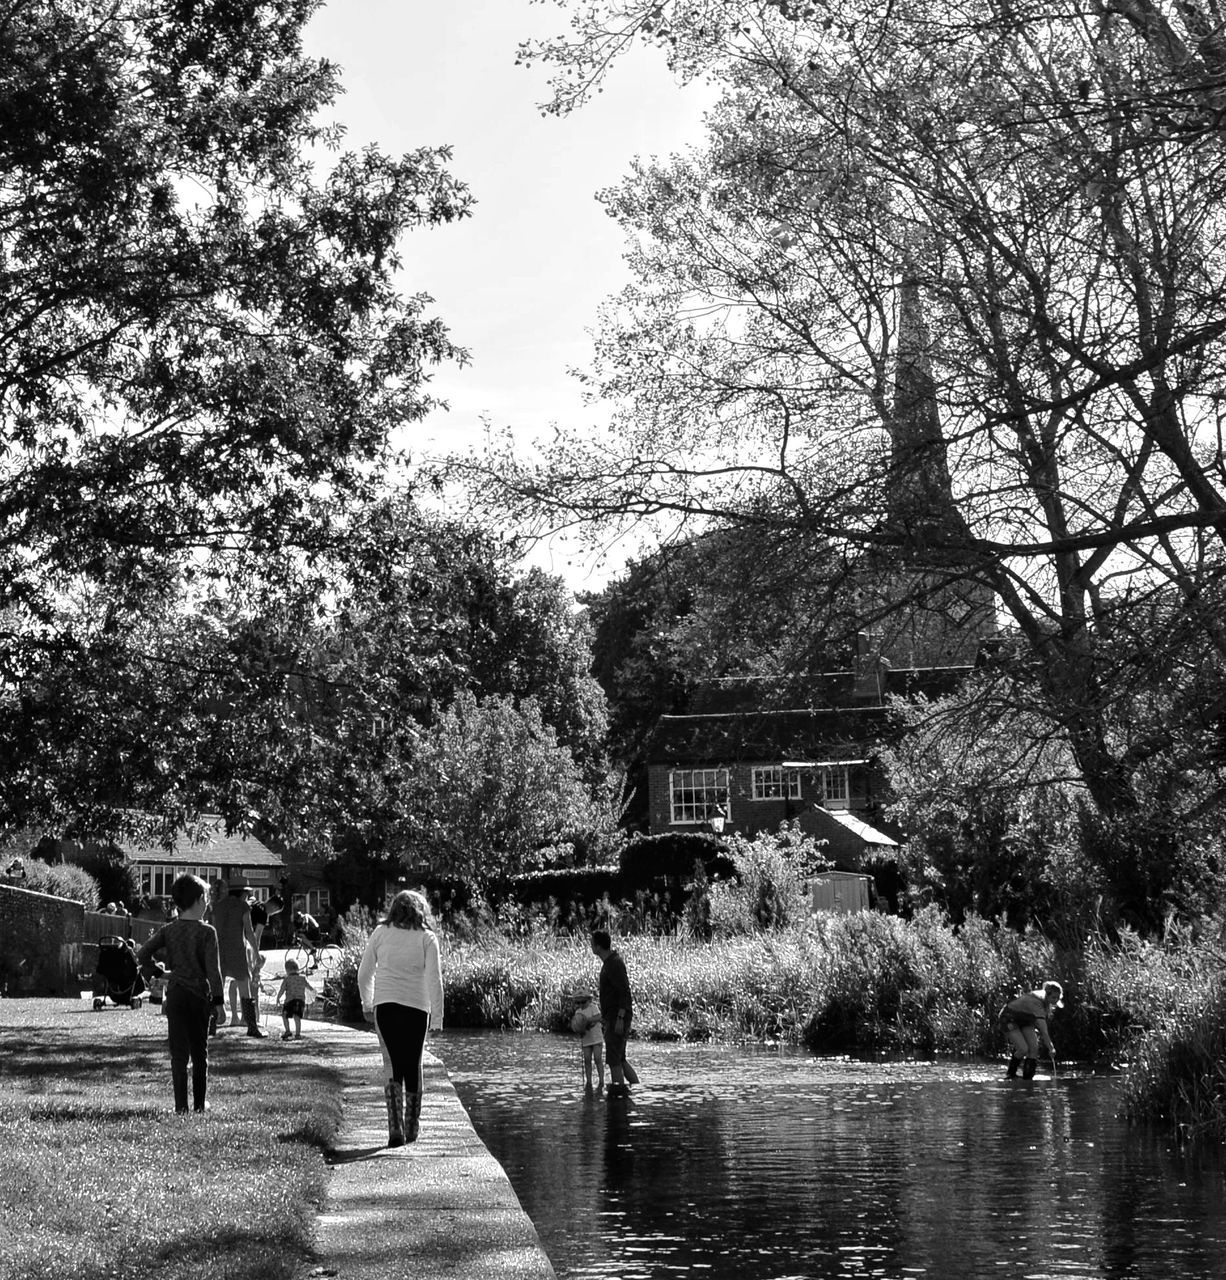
(755, 753)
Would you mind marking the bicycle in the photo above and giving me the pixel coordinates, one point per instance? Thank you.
(323, 958)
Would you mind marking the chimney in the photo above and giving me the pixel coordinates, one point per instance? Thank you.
(869, 664)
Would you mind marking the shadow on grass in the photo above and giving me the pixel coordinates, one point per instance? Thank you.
(74, 1114)
(63, 1055)
(353, 1155)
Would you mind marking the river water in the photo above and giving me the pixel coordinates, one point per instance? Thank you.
(768, 1165)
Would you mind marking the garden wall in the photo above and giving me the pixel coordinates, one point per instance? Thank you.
(42, 951)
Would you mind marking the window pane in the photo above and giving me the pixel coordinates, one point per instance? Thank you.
(697, 793)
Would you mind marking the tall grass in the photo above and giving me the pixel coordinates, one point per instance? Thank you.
(747, 962)
(835, 983)
(1178, 1074)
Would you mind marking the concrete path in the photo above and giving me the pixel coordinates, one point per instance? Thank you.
(440, 1207)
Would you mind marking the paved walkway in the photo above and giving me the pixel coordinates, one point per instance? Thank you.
(440, 1207)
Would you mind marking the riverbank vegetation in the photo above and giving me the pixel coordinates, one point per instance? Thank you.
(837, 983)
(746, 960)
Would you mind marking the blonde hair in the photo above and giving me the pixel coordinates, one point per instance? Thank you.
(408, 910)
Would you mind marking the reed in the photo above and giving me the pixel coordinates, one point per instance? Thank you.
(1178, 1074)
(836, 983)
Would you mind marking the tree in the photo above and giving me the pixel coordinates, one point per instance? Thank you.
(946, 290)
(205, 355)
(489, 790)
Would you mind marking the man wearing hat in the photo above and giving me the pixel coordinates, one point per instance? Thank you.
(236, 944)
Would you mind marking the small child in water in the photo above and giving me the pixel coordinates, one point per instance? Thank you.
(293, 990)
(586, 1025)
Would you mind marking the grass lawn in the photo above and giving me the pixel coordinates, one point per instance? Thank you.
(99, 1178)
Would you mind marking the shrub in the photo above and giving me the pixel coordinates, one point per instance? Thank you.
(671, 855)
(770, 889)
(62, 880)
(1179, 1072)
(355, 928)
(109, 868)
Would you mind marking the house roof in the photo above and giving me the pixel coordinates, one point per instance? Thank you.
(825, 689)
(740, 719)
(845, 732)
(849, 841)
(223, 850)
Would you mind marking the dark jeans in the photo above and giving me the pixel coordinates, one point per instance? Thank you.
(187, 1029)
(615, 1043)
(403, 1031)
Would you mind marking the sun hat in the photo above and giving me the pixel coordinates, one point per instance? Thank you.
(581, 993)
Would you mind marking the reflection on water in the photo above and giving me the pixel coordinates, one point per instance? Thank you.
(762, 1164)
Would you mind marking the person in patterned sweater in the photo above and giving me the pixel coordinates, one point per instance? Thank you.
(184, 952)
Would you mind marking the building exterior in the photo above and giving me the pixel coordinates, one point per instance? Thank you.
(739, 762)
(752, 753)
(210, 854)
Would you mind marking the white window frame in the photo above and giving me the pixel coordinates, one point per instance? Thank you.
(836, 786)
(156, 878)
(707, 789)
(781, 784)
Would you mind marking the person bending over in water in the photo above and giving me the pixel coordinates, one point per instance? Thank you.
(1024, 1022)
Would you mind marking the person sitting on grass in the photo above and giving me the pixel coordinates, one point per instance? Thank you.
(293, 990)
(194, 987)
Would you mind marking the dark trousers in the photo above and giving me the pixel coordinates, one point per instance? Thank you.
(403, 1031)
(187, 1029)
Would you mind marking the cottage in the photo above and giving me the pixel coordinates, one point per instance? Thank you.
(209, 853)
(737, 764)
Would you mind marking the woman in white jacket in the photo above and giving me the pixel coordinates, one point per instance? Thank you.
(401, 983)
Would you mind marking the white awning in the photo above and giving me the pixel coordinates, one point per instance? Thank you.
(819, 764)
(870, 835)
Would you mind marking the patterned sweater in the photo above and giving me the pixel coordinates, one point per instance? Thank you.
(188, 948)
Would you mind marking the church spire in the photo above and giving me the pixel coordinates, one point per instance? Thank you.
(921, 493)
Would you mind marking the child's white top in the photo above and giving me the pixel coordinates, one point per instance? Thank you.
(587, 1022)
(401, 966)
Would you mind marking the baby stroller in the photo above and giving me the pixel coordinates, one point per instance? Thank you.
(117, 977)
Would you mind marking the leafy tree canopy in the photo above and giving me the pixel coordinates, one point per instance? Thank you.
(945, 291)
(490, 790)
(206, 363)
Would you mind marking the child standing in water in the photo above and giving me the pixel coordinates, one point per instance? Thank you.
(293, 991)
(194, 987)
(586, 1024)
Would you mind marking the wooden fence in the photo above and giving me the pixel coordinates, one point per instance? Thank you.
(100, 924)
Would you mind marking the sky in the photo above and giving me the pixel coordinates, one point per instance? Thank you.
(519, 282)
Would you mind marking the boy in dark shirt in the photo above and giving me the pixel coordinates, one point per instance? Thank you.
(193, 986)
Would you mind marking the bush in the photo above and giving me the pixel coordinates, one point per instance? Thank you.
(62, 880)
(1179, 1073)
(354, 929)
(770, 888)
(646, 860)
(109, 868)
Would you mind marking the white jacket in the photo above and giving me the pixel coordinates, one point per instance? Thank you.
(401, 966)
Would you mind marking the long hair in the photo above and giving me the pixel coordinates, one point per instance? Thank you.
(409, 910)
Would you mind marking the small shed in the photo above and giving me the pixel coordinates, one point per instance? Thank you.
(844, 891)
